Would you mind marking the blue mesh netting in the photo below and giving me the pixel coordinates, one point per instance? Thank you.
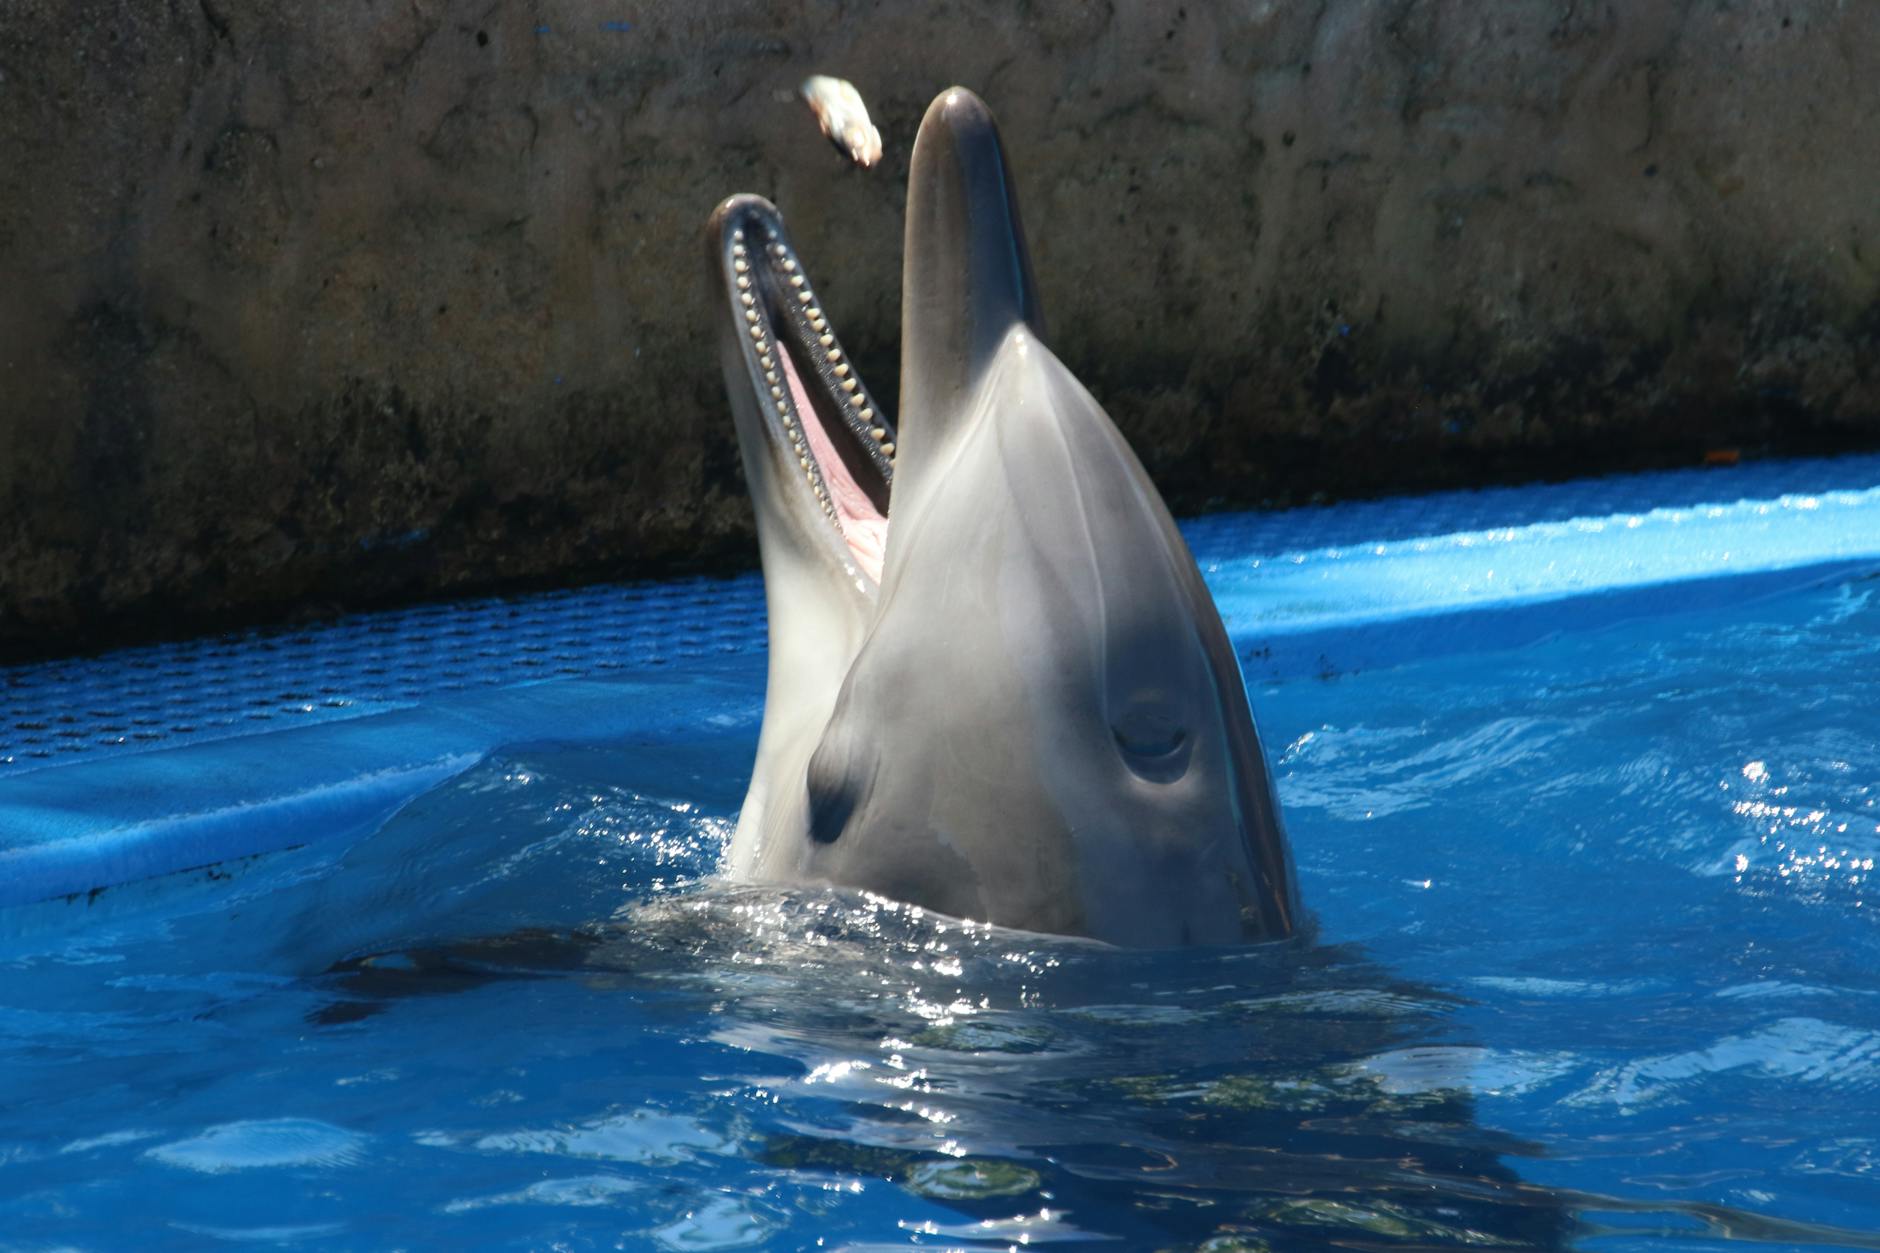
(236, 684)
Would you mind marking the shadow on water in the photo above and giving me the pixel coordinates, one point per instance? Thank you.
(1286, 1096)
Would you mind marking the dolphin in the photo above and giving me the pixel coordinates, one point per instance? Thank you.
(998, 687)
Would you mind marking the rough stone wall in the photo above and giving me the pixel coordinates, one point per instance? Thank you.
(315, 304)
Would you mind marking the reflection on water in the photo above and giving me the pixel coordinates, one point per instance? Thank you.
(1054, 1091)
(1280, 1096)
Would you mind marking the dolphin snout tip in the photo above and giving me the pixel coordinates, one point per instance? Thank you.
(742, 206)
(957, 108)
(735, 214)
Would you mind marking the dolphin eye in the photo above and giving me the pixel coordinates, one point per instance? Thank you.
(1153, 744)
(1160, 743)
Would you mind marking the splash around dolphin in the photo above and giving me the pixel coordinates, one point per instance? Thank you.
(998, 687)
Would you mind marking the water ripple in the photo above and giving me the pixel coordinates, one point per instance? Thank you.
(263, 1143)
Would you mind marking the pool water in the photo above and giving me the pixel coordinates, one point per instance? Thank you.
(1596, 966)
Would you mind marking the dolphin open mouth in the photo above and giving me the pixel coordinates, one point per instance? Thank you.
(830, 437)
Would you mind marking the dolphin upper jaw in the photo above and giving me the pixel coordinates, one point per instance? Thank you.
(1028, 711)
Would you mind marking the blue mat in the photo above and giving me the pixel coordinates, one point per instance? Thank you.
(148, 761)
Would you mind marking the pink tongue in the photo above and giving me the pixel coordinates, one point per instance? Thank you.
(863, 525)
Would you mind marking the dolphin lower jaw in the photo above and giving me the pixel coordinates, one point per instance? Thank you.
(832, 444)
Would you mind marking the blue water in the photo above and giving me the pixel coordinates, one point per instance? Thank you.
(1596, 967)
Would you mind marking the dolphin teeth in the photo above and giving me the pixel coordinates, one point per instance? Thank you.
(788, 336)
(888, 448)
(880, 432)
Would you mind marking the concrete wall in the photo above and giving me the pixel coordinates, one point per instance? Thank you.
(311, 304)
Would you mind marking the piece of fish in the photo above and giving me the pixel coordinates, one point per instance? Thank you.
(843, 117)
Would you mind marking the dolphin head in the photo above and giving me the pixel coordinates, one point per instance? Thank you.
(1035, 716)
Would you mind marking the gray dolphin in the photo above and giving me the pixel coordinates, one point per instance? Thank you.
(1016, 703)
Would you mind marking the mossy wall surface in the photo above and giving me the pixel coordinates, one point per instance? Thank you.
(310, 305)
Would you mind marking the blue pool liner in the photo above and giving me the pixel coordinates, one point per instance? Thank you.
(151, 761)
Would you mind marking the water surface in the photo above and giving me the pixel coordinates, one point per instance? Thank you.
(1595, 967)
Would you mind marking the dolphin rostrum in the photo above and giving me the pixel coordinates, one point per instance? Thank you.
(998, 686)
